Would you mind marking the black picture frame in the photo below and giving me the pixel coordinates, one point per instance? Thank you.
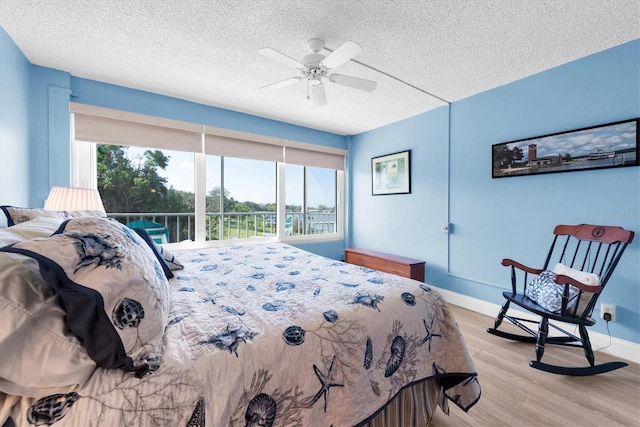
(610, 145)
(391, 173)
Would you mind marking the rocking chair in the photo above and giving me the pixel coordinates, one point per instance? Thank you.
(586, 256)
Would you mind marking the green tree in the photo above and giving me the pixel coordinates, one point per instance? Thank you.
(271, 207)
(213, 212)
(213, 200)
(502, 157)
(517, 154)
(130, 186)
(135, 185)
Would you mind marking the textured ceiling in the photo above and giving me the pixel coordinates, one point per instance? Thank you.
(207, 51)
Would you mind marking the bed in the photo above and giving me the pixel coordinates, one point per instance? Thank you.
(116, 330)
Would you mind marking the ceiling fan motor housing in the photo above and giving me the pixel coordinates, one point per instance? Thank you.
(313, 71)
(315, 45)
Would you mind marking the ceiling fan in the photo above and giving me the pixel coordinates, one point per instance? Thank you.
(315, 67)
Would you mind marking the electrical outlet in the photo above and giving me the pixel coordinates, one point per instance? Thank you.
(609, 309)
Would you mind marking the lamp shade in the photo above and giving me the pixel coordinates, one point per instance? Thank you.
(73, 199)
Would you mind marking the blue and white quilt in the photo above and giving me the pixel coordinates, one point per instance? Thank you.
(285, 337)
(268, 334)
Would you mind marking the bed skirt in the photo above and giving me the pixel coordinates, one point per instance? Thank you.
(413, 406)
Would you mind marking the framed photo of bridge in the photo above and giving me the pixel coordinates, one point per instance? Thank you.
(391, 174)
(611, 145)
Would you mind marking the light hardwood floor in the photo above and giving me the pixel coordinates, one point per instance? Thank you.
(514, 394)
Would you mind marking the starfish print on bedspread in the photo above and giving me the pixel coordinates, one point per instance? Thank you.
(430, 333)
(326, 381)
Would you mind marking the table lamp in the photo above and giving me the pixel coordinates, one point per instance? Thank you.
(73, 199)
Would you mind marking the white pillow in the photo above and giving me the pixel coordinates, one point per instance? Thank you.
(38, 227)
(17, 215)
(581, 276)
(584, 277)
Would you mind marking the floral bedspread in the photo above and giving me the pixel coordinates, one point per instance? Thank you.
(268, 334)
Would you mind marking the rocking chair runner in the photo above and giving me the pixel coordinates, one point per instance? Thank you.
(584, 253)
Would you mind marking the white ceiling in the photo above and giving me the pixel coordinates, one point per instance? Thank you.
(207, 50)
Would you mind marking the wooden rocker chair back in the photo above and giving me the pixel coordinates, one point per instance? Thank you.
(566, 288)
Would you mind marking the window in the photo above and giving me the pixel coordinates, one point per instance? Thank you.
(241, 201)
(294, 200)
(311, 200)
(145, 184)
(208, 184)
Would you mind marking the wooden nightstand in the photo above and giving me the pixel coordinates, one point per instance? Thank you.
(394, 264)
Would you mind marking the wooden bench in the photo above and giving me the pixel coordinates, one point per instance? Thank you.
(394, 264)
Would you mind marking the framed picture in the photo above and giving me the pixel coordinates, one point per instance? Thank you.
(612, 145)
(391, 174)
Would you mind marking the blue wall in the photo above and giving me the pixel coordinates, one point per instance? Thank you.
(513, 217)
(14, 123)
(49, 132)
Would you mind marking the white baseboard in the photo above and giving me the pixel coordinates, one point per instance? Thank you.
(619, 348)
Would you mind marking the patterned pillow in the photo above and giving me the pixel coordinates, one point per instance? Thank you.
(144, 234)
(547, 293)
(167, 257)
(17, 215)
(173, 262)
(112, 287)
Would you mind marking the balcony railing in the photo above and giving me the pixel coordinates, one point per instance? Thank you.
(235, 225)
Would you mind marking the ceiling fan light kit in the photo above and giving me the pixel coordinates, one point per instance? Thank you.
(315, 67)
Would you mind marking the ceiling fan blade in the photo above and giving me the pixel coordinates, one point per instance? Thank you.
(347, 51)
(354, 82)
(281, 57)
(283, 83)
(318, 95)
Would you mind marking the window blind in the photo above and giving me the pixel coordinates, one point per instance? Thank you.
(103, 125)
(309, 155)
(232, 147)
